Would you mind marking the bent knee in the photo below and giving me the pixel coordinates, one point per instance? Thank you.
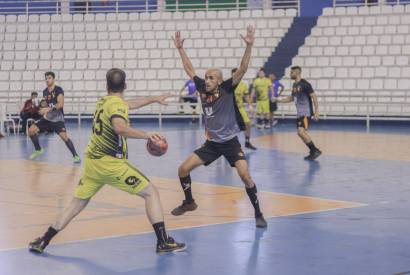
(32, 131)
(183, 170)
(245, 176)
(301, 131)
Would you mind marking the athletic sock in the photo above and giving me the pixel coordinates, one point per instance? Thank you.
(254, 200)
(259, 121)
(34, 139)
(311, 146)
(70, 147)
(160, 231)
(186, 186)
(51, 232)
(266, 121)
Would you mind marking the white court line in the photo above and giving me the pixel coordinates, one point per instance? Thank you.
(190, 227)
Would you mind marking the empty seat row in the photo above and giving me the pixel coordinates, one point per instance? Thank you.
(355, 72)
(366, 52)
(133, 63)
(365, 10)
(363, 20)
(133, 44)
(363, 30)
(101, 36)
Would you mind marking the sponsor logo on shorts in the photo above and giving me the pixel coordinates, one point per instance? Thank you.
(132, 181)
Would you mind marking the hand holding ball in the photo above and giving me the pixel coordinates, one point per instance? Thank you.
(157, 145)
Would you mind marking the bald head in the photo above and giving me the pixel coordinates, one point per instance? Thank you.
(215, 72)
(213, 78)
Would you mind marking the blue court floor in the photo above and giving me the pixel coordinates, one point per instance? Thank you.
(372, 239)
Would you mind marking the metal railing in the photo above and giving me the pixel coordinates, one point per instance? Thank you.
(28, 7)
(358, 3)
(364, 110)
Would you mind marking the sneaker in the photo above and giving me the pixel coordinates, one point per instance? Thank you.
(37, 153)
(37, 246)
(261, 222)
(259, 126)
(267, 126)
(274, 123)
(313, 155)
(77, 159)
(250, 146)
(170, 246)
(184, 207)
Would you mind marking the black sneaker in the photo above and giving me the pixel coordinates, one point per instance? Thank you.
(250, 146)
(38, 245)
(184, 207)
(313, 155)
(261, 222)
(170, 246)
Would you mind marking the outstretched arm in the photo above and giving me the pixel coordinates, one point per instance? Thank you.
(243, 67)
(287, 99)
(179, 44)
(140, 102)
(121, 128)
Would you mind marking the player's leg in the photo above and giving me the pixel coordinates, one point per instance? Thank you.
(248, 127)
(124, 176)
(259, 114)
(155, 215)
(273, 106)
(184, 170)
(250, 187)
(302, 126)
(60, 129)
(24, 117)
(266, 123)
(233, 153)
(33, 132)
(87, 187)
(73, 209)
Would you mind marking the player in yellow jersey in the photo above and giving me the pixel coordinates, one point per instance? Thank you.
(106, 163)
(241, 92)
(261, 87)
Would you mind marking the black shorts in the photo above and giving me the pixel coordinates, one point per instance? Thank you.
(210, 151)
(303, 122)
(273, 106)
(48, 126)
(190, 99)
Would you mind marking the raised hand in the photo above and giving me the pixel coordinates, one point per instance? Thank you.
(178, 41)
(250, 35)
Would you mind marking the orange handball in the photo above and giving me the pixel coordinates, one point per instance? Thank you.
(157, 148)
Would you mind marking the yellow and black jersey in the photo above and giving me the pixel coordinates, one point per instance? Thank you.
(104, 141)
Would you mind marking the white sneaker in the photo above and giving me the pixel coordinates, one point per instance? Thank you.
(274, 123)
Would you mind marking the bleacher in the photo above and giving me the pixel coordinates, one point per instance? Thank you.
(81, 48)
(357, 58)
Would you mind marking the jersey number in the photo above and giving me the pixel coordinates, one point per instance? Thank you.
(97, 123)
